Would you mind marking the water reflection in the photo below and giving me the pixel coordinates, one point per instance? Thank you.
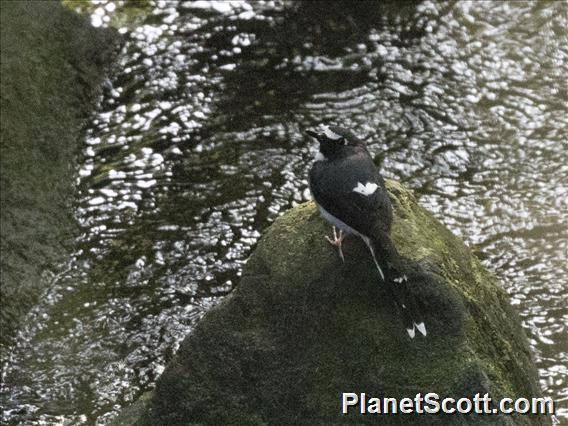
(197, 146)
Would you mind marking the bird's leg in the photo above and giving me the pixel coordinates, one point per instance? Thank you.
(336, 241)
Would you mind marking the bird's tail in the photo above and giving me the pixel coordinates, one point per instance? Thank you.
(386, 259)
(406, 302)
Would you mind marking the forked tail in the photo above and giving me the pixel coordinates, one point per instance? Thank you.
(411, 314)
(383, 250)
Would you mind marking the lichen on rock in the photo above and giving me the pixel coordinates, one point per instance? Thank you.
(302, 327)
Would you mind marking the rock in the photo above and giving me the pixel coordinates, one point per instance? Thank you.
(301, 328)
(132, 414)
(53, 62)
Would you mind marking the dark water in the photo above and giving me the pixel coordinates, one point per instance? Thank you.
(197, 147)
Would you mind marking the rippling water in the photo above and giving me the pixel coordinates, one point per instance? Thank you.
(197, 147)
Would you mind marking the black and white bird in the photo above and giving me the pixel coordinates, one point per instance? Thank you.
(350, 194)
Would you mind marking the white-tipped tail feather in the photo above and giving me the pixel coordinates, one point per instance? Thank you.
(420, 327)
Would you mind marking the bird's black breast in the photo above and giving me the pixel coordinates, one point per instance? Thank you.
(332, 183)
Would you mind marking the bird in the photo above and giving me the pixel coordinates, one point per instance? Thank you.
(350, 194)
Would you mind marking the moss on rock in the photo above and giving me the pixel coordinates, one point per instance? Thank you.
(52, 61)
(302, 327)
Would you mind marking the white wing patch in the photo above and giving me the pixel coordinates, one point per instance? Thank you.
(319, 157)
(331, 135)
(368, 189)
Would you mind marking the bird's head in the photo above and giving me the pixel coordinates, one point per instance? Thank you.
(336, 141)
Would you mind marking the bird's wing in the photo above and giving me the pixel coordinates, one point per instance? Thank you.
(354, 192)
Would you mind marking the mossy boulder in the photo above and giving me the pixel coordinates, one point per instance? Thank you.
(52, 65)
(301, 328)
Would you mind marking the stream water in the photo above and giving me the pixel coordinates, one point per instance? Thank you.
(197, 146)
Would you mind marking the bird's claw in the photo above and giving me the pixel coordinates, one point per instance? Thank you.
(336, 241)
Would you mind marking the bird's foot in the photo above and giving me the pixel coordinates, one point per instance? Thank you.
(336, 241)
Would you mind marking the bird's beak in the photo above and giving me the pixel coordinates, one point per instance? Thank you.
(313, 134)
